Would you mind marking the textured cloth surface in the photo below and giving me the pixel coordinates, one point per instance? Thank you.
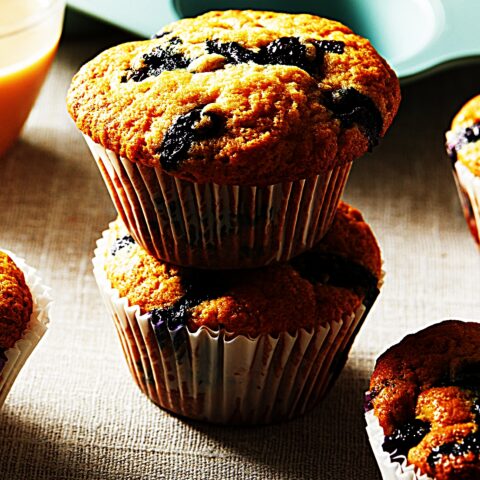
(75, 413)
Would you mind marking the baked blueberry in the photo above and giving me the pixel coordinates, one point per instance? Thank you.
(352, 107)
(330, 46)
(159, 60)
(232, 51)
(122, 242)
(191, 127)
(470, 444)
(462, 137)
(405, 437)
(282, 51)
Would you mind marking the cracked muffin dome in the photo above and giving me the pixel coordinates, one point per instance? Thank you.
(238, 97)
(325, 284)
(425, 393)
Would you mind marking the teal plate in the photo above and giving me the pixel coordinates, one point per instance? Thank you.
(415, 36)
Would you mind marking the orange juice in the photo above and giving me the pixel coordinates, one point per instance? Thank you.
(29, 34)
(18, 91)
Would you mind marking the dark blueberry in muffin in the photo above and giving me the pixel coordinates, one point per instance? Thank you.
(405, 437)
(232, 51)
(285, 51)
(470, 444)
(330, 46)
(199, 285)
(463, 137)
(352, 107)
(282, 51)
(191, 127)
(120, 243)
(160, 59)
(175, 41)
(174, 316)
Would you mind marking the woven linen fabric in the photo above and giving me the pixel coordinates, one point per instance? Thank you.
(74, 411)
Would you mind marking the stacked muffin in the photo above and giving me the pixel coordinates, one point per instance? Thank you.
(225, 143)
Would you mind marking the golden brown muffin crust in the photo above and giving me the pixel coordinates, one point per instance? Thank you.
(282, 297)
(15, 302)
(262, 123)
(351, 236)
(445, 406)
(464, 467)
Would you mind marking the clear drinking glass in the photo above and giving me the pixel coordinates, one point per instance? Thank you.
(29, 35)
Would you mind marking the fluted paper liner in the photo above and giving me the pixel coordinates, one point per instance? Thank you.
(36, 328)
(390, 470)
(221, 378)
(468, 186)
(219, 226)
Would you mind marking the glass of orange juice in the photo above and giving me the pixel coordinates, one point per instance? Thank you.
(29, 35)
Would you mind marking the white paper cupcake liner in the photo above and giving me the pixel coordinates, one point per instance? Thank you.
(219, 226)
(18, 354)
(207, 375)
(390, 470)
(468, 186)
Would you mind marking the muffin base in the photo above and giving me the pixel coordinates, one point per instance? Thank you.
(37, 326)
(222, 378)
(219, 226)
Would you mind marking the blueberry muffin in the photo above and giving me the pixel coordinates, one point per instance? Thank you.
(15, 305)
(463, 148)
(217, 111)
(425, 394)
(280, 333)
(23, 317)
(238, 97)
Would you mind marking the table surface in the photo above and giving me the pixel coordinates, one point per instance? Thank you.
(75, 413)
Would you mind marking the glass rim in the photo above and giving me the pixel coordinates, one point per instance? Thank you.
(31, 20)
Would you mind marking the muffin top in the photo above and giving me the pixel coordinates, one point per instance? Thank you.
(463, 139)
(323, 285)
(239, 97)
(15, 303)
(425, 393)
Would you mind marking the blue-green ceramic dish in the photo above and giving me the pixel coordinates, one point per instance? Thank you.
(415, 36)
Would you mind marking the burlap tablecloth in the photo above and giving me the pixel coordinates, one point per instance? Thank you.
(75, 413)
